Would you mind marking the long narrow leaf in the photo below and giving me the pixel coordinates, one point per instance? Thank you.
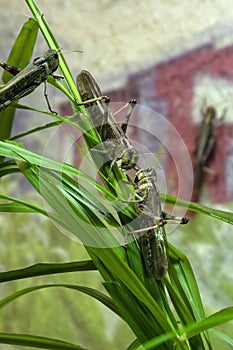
(104, 299)
(37, 342)
(49, 37)
(18, 57)
(220, 317)
(43, 269)
(198, 208)
(223, 337)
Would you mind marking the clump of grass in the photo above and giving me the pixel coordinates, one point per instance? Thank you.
(164, 314)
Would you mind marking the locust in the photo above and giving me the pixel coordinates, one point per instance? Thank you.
(28, 79)
(205, 143)
(116, 144)
(152, 221)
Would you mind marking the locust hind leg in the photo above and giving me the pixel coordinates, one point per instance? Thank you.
(10, 69)
(131, 104)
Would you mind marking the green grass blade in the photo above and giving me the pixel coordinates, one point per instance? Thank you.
(20, 206)
(220, 317)
(183, 280)
(222, 337)
(43, 269)
(198, 208)
(36, 342)
(52, 43)
(18, 57)
(104, 299)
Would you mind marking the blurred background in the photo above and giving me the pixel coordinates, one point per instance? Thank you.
(175, 58)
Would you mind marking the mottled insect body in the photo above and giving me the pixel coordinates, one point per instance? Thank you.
(205, 143)
(207, 135)
(153, 242)
(115, 141)
(28, 79)
(152, 220)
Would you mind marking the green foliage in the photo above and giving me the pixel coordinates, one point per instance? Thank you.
(165, 314)
(19, 57)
